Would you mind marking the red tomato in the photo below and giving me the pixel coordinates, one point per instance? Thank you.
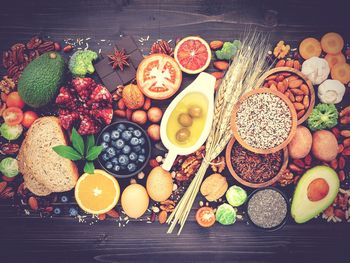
(14, 100)
(13, 116)
(205, 216)
(28, 118)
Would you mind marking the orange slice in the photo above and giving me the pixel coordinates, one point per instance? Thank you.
(341, 72)
(97, 193)
(333, 59)
(310, 47)
(332, 43)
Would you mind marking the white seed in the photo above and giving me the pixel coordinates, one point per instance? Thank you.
(173, 174)
(174, 187)
(159, 158)
(155, 209)
(141, 175)
(201, 203)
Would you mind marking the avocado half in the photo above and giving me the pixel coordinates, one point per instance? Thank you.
(303, 209)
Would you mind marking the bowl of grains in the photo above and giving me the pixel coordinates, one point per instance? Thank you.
(294, 85)
(267, 208)
(253, 169)
(264, 121)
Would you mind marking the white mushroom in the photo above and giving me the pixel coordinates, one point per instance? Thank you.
(316, 69)
(331, 91)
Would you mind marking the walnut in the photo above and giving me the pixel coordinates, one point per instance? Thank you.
(218, 164)
(118, 93)
(187, 166)
(286, 178)
(7, 85)
(167, 205)
(162, 47)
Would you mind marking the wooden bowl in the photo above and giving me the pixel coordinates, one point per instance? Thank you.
(291, 132)
(250, 184)
(303, 77)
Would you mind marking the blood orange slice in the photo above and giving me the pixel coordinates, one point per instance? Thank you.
(158, 76)
(193, 54)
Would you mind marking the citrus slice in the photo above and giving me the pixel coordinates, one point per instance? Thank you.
(192, 54)
(158, 76)
(97, 193)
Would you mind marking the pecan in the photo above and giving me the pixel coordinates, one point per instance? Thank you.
(34, 42)
(33, 54)
(7, 193)
(46, 47)
(18, 53)
(286, 178)
(7, 60)
(167, 205)
(13, 70)
(162, 47)
(21, 190)
(218, 164)
(9, 148)
(188, 165)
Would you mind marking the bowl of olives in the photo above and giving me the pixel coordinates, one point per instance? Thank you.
(126, 149)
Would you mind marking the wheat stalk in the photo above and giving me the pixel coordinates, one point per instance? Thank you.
(242, 76)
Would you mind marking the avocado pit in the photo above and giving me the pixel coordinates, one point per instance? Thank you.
(317, 189)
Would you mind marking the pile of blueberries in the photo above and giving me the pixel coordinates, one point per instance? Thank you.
(124, 149)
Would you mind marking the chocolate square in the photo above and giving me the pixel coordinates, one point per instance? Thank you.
(112, 81)
(103, 68)
(127, 74)
(135, 58)
(127, 43)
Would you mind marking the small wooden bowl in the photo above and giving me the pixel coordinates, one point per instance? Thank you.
(250, 184)
(291, 132)
(303, 77)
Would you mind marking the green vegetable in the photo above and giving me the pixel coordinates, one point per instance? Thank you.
(323, 116)
(236, 195)
(11, 132)
(9, 167)
(80, 63)
(226, 214)
(41, 79)
(77, 152)
(228, 50)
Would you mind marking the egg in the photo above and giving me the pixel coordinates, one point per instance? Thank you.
(159, 184)
(135, 200)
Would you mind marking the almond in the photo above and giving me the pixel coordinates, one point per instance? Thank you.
(305, 89)
(297, 92)
(216, 44)
(334, 164)
(346, 151)
(289, 63)
(341, 162)
(280, 63)
(218, 74)
(33, 203)
(345, 133)
(221, 65)
(296, 65)
(101, 217)
(286, 74)
(153, 163)
(299, 98)
(306, 101)
(273, 87)
(336, 132)
(121, 104)
(298, 106)
(296, 83)
(280, 78)
(295, 168)
(67, 48)
(147, 104)
(162, 217)
(120, 113)
(270, 82)
(291, 97)
(112, 213)
(340, 148)
(346, 142)
(341, 175)
(281, 88)
(300, 114)
(308, 159)
(294, 77)
(3, 185)
(272, 77)
(299, 163)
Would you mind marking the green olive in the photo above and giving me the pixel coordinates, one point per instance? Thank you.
(183, 134)
(195, 111)
(185, 120)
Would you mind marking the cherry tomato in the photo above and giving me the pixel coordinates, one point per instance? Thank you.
(28, 118)
(13, 116)
(205, 216)
(14, 100)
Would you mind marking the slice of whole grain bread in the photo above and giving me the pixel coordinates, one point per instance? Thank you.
(40, 164)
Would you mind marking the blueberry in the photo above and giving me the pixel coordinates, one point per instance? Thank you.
(105, 157)
(104, 145)
(57, 211)
(115, 135)
(137, 133)
(111, 152)
(73, 212)
(120, 144)
(142, 140)
(115, 160)
(106, 137)
(109, 165)
(134, 141)
(122, 167)
(126, 135)
(143, 151)
(64, 199)
(137, 148)
(126, 149)
(131, 128)
(133, 156)
(121, 127)
(141, 158)
(123, 159)
(132, 167)
(116, 168)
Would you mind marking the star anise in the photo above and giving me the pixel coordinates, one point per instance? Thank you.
(119, 59)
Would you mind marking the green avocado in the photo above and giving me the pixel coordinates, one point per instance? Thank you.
(40, 80)
(313, 185)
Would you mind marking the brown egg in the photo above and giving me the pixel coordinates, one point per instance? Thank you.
(159, 184)
(135, 200)
(195, 111)
(183, 134)
(185, 120)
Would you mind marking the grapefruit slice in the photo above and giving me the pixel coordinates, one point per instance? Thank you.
(192, 54)
(158, 76)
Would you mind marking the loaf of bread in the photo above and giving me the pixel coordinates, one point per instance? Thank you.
(44, 171)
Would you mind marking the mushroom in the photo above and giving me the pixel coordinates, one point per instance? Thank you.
(331, 91)
(316, 69)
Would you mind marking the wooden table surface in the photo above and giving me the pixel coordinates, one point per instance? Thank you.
(63, 239)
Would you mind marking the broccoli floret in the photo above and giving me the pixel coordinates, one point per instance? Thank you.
(80, 63)
(228, 50)
(323, 116)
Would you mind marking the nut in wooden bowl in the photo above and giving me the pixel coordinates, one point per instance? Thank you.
(293, 84)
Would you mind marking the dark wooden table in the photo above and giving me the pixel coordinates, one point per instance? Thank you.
(31, 239)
